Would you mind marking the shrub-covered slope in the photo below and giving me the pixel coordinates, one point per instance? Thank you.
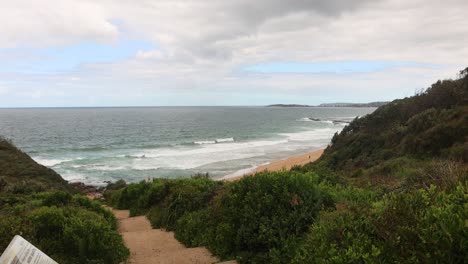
(404, 134)
(19, 173)
(412, 155)
(68, 227)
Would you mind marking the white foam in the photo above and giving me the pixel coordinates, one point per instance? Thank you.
(110, 168)
(50, 162)
(312, 135)
(190, 157)
(102, 167)
(221, 140)
(308, 119)
(204, 142)
(72, 176)
(198, 157)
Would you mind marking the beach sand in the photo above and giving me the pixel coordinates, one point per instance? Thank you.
(285, 164)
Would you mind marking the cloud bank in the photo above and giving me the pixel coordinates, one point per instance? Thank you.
(212, 52)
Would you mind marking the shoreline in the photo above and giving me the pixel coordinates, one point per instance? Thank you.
(96, 192)
(278, 165)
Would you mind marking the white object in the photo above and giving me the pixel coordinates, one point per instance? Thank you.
(20, 251)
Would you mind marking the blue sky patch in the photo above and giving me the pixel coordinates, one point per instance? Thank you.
(67, 58)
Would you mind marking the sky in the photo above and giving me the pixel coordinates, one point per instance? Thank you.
(69, 53)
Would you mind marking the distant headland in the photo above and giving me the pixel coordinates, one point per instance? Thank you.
(371, 104)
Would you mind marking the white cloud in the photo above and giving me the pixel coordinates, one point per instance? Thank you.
(52, 22)
(4, 90)
(203, 45)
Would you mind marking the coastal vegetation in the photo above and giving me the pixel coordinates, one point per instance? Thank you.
(36, 203)
(390, 188)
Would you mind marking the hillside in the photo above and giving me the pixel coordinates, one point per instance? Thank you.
(371, 104)
(20, 173)
(38, 204)
(414, 132)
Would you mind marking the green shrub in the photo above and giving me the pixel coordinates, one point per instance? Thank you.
(262, 216)
(95, 206)
(57, 199)
(177, 197)
(423, 226)
(116, 185)
(75, 235)
(71, 229)
(193, 229)
(11, 225)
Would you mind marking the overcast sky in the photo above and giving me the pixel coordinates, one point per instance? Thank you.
(225, 52)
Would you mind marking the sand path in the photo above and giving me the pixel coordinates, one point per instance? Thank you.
(149, 245)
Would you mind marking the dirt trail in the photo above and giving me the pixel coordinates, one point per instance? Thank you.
(149, 245)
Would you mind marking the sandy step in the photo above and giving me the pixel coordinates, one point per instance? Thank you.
(148, 246)
(138, 223)
(121, 214)
(149, 243)
(197, 255)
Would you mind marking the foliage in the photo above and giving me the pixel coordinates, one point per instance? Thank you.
(20, 174)
(116, 185)
(424, 226)
(76, 235)
(167, 199)
(262, 217)
(432, 124)
(69, 228)
(256, 219)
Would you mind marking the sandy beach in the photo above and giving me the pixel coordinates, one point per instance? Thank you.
(284, 164)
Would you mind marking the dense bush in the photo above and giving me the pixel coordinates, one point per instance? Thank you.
(116, 185)
(20, 174)
(262, 217)
(256, 219)
(166, 200)
(76, 235)
(424, 226)
(432, 124)
(69, 228)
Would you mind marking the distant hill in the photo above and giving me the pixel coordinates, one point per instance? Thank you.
(372, 104)
(20, 173)
(288, 105)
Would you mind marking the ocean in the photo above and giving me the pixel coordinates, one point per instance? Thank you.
(95, 145)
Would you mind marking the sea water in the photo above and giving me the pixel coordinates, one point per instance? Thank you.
(95, 145)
